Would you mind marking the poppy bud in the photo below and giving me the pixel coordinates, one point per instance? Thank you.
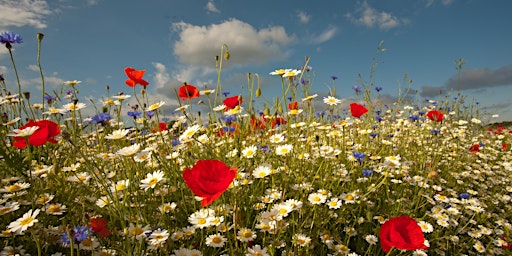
(26, 95)
(75, 101)
(40, 36)
(258, 92)
(226, 55)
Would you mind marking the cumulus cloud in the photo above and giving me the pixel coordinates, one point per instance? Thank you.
(303, 17)
(210, 6)
(198, 45)
(470, 79)
(443, 2)
(160, 77)
(370, 17)
(24, 13)
(325, 36)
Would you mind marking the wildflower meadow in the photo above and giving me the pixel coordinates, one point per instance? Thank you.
(299, 174)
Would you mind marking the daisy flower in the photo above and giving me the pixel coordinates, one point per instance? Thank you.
(120, 185)
(167, 207)
(138, 231)
(103, 201)
(331, 101)
(426, 227)
(276, 138)
(262, 171)
(73, 107)
(282, 209)
(142, 156)
(189, 133)
(9, 207)
(308, 98)
(72, 82)
(23, 132)
(117, 134)
(282, 150)
(21, 224)
(334, 203)
(15, 187)
(186, 252)
(155, 106)
(301, 240)
(202, 218)
(317, 198)
(129, 150)
(256, 250)
(151, 180)
(249, 152)
(291, 73)
(55, 209)
(371, 239)
(158, 237)
(246, 235)
(216, 240)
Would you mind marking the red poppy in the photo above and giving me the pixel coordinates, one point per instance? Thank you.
(357, 110)
(209, 179)
(435, 115)
(232, 102)
(45, 133)
(293, 105)
(504, 146)
(474, 148)
(99, 225)
(402, 233)
(188, 91)
(274, 121)
(135, 77)
(257, 124)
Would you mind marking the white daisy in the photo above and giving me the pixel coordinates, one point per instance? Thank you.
(21, 224)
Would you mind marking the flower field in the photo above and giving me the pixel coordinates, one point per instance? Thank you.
(303, 175)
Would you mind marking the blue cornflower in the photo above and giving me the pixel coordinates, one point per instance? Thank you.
(266, 149)
(175, 142)
(378, 112)
(150, 114)
(378, 88)
(414, 118)
(226, 94)
(304, 81)
(373, 135)
(464, 195)
(228, 119)
(166, 119)
(290, 98)
(79, 234)
(359, 155)
(379, 118)
(367, 173)
(101, 118)
(49, 98)
(334, 78)
(10, 38)
(435, 131)
(134, 113)
(228, 128)
(356, 88)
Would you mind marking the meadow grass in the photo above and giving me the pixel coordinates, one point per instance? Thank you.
(312, 179)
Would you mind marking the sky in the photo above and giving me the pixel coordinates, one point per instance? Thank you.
(176, 41)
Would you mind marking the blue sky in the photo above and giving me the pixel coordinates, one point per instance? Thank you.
(176, 41)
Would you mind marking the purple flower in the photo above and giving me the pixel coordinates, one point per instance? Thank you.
(10, 38)
(359, 155)
(334, 77)
(367, 173)
(356, 88)
(378, 88)
(101, 118)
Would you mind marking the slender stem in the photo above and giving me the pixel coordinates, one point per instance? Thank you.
(17, 79)
(39, 39)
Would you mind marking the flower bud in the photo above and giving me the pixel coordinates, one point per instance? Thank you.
(226, 55)
(40, 36)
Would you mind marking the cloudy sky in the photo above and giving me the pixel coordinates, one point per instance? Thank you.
(176, 41)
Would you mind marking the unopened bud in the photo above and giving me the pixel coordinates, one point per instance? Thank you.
(26, 95)
(226, 55)
(258, 92)
(40, 36)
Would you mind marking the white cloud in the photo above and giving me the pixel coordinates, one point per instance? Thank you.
(24, 13)
(161, 77)
(368, 16)
(198, 45)
(33, 67)
(325, 36)
(304, 17)
(210, 6)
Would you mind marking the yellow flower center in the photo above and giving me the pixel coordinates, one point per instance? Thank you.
(201, 221)
(217, 240)
(26, 221)
(153, 181)
(14, 187)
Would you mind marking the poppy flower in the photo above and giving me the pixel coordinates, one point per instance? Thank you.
(474, 148)
(293, 105)
(275, 121)
(135, 77)
(435, 115)
(188, 91)
(357, 110)
(46, 132)
(402, 233)
(232, 102)
(99, 225)
(257, 124)
(209, 179)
